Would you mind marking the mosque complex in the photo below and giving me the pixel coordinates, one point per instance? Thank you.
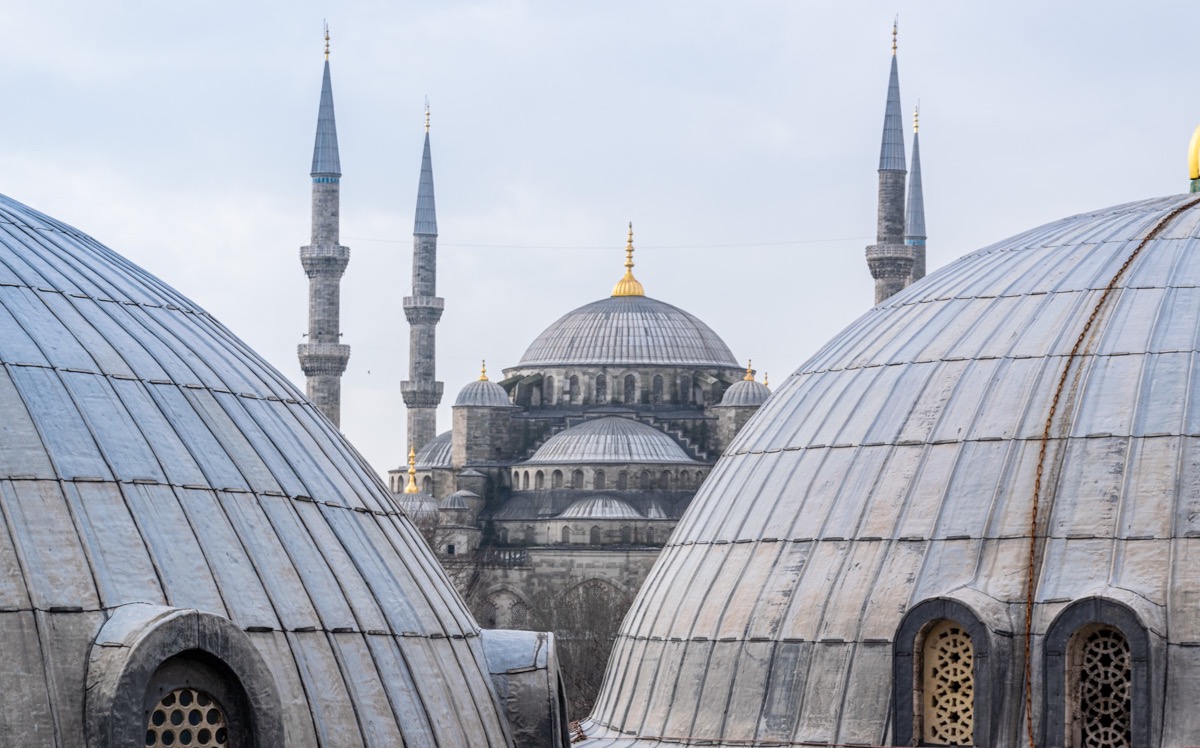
(968, 519)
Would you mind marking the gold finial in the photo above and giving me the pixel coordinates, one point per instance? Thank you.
(1194, 160)
(749, 371)
(766, 379)
(917, 118)
(412, 472)
(326, 39)
(628, 285)
(895, 31)
(483, 372)
(426, 114)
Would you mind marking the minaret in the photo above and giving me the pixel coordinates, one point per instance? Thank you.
(890, 259)
(323, 358)
(914, 222)
(423, 309)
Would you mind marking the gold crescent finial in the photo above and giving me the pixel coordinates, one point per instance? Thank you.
(412, 472)
(483, 372)
(1194, 160)
(766, 379)
(749, 371)
(426, 114)
(326, 39)
(628, 285)
(895, 32)
(917, 118)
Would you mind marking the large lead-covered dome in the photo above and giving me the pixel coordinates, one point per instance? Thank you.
(627, 331)
(873, 522)
(172, 499)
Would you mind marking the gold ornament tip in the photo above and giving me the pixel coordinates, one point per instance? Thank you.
(412, 472)
(483, 372)
(1194, 155)
(749, 372)
(628, 285)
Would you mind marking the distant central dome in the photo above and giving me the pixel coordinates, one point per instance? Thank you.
(628, 330)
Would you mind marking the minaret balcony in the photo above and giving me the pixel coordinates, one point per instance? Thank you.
(318, 359)
(324, 258)
(423, 310)
(890, 260)
(421, 394)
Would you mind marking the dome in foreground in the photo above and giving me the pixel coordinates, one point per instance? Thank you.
(627, 331)
(611, 439)
(869, 531)
(178, 516)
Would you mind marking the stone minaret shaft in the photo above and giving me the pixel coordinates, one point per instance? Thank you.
(422, 393)
(890, 259)
(914, 231)
(323, 358)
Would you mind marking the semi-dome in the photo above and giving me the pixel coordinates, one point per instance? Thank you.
(604, 506)
(746, 392)
(177, 511)
(610, 439)
(889, 489)
(436, 453)
(627, 331)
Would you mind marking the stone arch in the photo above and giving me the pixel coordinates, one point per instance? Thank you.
(598, 480)
(576, 478)
(548, 394)
(594, 535)
(664, 480)
(630, 386)
(504, 608)
(601, 389)
(623, 480)
(502, 536)
(685, 390)
(644, 480)
(556, 479)
(427, 484)
(525, 481)
(573, 389)
(566, 534)
(656, 390)
(539, 480)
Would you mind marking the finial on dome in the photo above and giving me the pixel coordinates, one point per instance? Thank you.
(426, 114)
(917, 118)
(628, 285)
(1194, 160)
(766, 379)
(326, 39)
(412, 472)
(895, 31)
(483, 371)
(749, 371)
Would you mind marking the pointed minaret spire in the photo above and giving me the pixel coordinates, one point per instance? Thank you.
(889, 259)
(323, 358)
(422, 393)
(914, 222)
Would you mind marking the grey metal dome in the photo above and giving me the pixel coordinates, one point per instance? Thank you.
(420, 506)
(628, 330)
(746, 392)
(435, 454)
(483, 393)
(611, 439)
(604, 506)
(459, 499)
(891, 481)
(165, 492)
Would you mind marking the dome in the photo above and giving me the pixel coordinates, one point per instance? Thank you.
(890, 483)
(482, 393)
(167, 492)
(603, 506)
(627, 331)
(611, 439)
(420, 507)
(459, 499)
(746, 392)
(435, 454)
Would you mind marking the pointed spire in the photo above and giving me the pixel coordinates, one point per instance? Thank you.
(891, 153)
(914, 222)
(426, 221)
(412, 472)
(749, 371)
(1194, 161)
(628, 285)
(483, 372)
(325, 151)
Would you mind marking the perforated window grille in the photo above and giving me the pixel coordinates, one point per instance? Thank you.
(187, 717)
(948, 686)
(1102, 707)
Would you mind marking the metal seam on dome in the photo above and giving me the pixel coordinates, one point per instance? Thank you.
(1154, 232)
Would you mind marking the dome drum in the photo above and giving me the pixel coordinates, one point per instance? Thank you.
(638, 387)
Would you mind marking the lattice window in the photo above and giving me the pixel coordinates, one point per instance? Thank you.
(948, 686)
(1101, 703)
(187, 717)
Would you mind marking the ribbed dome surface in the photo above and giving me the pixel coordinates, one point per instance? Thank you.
(897, 467)
(147, 455)
(600, 507)
(609, 440)
(628, 330)
(745, 392)
(435, 453)
(483, 392)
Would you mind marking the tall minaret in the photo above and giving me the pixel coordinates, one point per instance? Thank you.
(914, 223)
(423, 309)
(323, 358)
(890, 259)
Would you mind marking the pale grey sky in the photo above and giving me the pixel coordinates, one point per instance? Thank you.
(740, 138)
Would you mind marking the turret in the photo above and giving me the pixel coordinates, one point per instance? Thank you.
(914, 222)
(323, 358)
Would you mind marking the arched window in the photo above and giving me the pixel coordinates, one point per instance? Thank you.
(530, 536)
(656, 390)
(525, 481)
(539, 480)
(622, 480)
(516, 478)
(598, 480)
(644, 480)
(577, 479)
(566, 534)
(594, 536)
(502, 535)
(548, 393)
(630, 388)
(626, 534)
(947, 685)
(601, 388)
(716, 393)
(664, 480)
(556, 479)
(427, 484)
(573, 389)
(685, 479)
(685, 390)
(649, 536)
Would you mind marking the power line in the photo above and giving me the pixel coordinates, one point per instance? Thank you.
(610, 246)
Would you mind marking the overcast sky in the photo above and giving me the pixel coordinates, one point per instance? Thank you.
(741, 138)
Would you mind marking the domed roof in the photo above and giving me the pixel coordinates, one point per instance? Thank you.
(459, 499)
(745, 392)
(628, 330)
(603, 506)
(419, 506)
(897, 467)
(611, 439)
(482, 393)
(435, 454)
(153, 470)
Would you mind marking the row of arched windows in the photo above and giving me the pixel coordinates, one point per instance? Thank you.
(627, 389)
(646, 480)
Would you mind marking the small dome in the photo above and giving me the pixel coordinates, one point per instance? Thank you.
(482, 393)
(746, 392)
(418, 506)
(628, 330)
(457, 500)
(435, 454)
(611, 439)
(603, 506)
